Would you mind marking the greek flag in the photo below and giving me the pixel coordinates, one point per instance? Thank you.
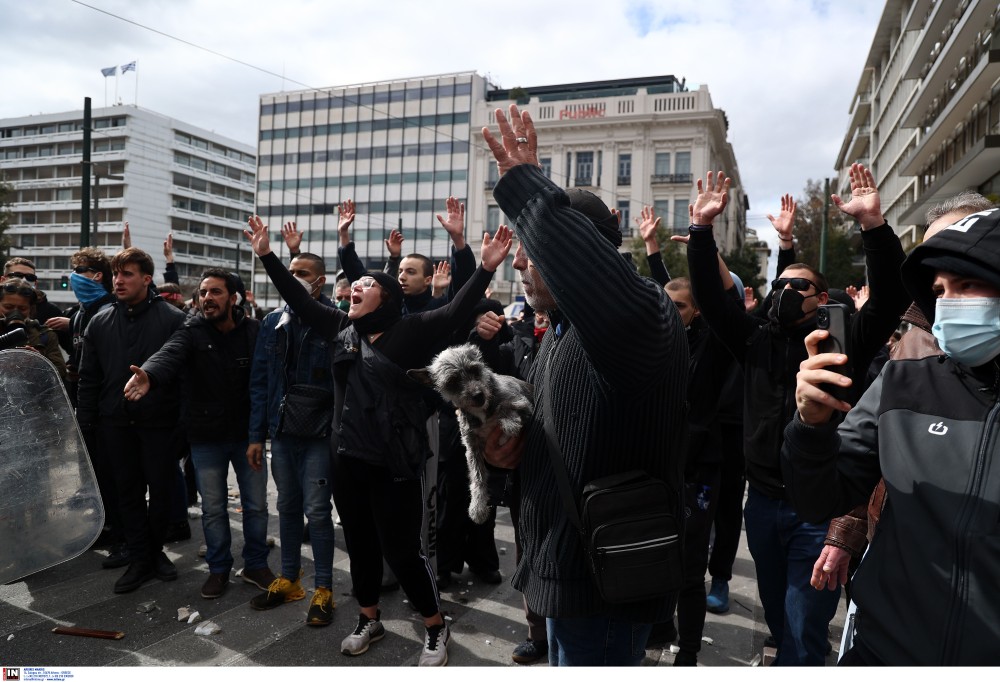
(128, 67)
(110, 71)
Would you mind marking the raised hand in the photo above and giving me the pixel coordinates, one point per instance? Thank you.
(495, 249)
(292, 237)
(345, 215)
(394, 244)
(488, 325)
(815, 405)
(138, 385)
(454, 225)
(257, 236)
(518, 141)
(442, 277)
(648, 222)
(168, 247)
(785, 222)
(712, 198)
(861, 296)
(126, 237)
(749, 299)
(865, 205)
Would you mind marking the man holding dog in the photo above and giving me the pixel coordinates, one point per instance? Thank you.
(633, 402)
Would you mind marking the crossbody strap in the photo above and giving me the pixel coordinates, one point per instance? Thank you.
(555, 452)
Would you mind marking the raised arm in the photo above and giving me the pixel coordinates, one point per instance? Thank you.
(558, 239)
(327, 320)
(727, 319)
(648, 223)
(170, 274)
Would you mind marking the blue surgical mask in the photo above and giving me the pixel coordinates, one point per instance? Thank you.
(87, 290)
(968, 329)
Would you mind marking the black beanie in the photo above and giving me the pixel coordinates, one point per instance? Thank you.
(590, 205)
(390, 284)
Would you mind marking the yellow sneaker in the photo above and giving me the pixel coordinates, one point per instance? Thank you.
(321, 608)
(280, 591)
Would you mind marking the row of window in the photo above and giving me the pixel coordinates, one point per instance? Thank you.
(182, 225)
(363, 180)
(208, 208)
(583, 165)
(199, 143)
(73, 170)
(64, 149)
(414, 92)
(48, 218)
(43, 194)
(377, 125)
(388, 151)
(429, 206)
(225, 171)
(62, 127)
(200, 185)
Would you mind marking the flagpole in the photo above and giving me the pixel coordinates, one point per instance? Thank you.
(105, 91)
(135, 94)
(116, 86)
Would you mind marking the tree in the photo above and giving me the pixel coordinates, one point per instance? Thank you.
(674, 254)
(746, 265)
(840, 270)
(6, 195)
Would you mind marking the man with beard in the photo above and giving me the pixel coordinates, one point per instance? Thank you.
(213, 352)
(784, 548)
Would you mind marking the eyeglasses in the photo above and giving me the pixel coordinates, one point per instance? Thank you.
(11, 288)
(29, 276)
(797, 283)
(81, 269)
(365, 283)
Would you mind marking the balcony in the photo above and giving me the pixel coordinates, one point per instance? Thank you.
(624, 180)
(671, 178)
(489, 185)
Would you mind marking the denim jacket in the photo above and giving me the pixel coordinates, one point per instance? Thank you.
(269, 375)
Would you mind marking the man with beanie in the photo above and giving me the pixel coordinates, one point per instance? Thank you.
(785, 547)
(926, 590)
(615, 361)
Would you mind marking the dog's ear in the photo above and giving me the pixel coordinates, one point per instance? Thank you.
(421, 376)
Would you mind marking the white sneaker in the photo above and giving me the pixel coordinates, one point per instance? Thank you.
(435, 651)
(368, 631)
(203, 550)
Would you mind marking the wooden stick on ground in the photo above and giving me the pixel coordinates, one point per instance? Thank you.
(86, 632)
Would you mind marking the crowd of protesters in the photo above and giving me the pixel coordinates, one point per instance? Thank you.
(873, 469)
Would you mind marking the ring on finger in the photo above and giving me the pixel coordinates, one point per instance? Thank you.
(521, 140)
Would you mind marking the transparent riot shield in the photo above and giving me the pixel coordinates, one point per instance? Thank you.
(50, 505)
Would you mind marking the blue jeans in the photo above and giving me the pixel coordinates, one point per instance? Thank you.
(784, 550)
(301, 470)
(597, 640)
(211, 466)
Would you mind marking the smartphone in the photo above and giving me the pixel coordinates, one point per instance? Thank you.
(834, 318)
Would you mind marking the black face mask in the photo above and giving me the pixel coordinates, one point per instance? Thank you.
(786, 307)
(14, 319)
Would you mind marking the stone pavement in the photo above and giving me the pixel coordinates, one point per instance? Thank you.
(486, 620)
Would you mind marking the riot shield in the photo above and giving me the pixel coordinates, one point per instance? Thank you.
(50, 505)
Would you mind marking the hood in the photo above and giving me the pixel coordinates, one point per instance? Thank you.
(970, 247)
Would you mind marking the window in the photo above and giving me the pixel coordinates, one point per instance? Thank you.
(546, 165)
(662, 209)
(492, 218)
(661, 165)
(682, 165)
(681, 217)
(625, 169)
(624, 220)
(584, 168)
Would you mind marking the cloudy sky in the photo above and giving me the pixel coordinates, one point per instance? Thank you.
(783, 70)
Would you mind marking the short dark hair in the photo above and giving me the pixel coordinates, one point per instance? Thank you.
(18, 260)
(817, 277)
(224, 275)
(427, 263)
(313, 258)
(133, 255)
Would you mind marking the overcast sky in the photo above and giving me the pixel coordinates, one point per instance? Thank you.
(783, 70)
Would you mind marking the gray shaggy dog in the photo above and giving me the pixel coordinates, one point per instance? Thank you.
(484, 399)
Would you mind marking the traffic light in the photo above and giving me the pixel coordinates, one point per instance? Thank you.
(64, 282)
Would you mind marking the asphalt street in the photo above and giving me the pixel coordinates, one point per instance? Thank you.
(487, 621)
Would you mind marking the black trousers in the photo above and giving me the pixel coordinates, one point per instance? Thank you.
(142, 459)
(460, 540)
(859, 655)
(381, 517)
(536, 623)
(700, 499)
(729, 513)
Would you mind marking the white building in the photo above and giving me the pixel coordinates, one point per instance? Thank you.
(175, 178)
(926, 113)
(400, 148)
